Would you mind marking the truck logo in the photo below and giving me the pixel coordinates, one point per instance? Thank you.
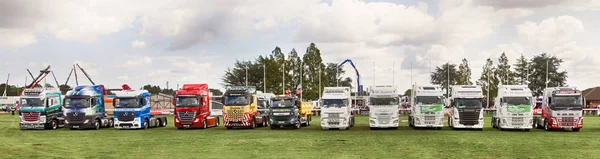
(186, 114)
(76, 114)
(30, 114)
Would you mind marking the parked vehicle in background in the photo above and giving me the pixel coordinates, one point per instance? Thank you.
(41, 108)
(336, 111)
(426, 109)
(466, 107)
(84, 108)
(132, 111)
(514, 108)
(383, 107)
(192, 107)
(240, 108)
(562, 109)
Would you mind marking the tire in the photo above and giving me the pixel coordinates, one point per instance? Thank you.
(308, 121)
(165, 122)
(111, 123)
(253, 123)
(449, 122)
(97, 124)
(160, 122)
(217, 125)
(146, 125)
(53, 124)
(546, 125)
(352, 123)
(298, 124)
(534, 125)
(265, 122)
(575, 130)
(204, 124)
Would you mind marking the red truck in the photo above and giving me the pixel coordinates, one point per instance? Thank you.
(192, 107)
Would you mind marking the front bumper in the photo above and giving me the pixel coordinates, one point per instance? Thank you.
(135, 124)
(32, 126)
(435, 122)
(188, 124)
(69, 123)
(505, 123)
(288, 122)
(334, 123)
(375, 123)
(457, 125)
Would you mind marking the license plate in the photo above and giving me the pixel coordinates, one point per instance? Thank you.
(125, 126)
(75, 127)
(29, 126)
(281, 122)
(385, 122)
(429, 125)
(186, 126)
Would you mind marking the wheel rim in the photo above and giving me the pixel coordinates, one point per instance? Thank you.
(54, 125)
(164, 122)
(97, 124)
(204, 123)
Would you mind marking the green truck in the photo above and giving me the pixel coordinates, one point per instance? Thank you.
(41, 108)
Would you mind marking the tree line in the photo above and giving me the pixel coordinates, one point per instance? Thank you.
(530, 72)
(292, 68)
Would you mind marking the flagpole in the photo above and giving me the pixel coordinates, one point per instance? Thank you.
(301, 78)
(283, 75)
(264, 78)
(547, 63)
(320, 71)
(246, 73)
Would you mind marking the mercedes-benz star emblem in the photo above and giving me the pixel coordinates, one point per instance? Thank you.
(76, 114)
(186, 114)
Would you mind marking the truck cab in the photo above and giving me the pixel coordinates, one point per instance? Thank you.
(466, 110)
(132, 111)
(514, 108)
(383, 109)
(192, 107)
(41, 108)
(426, 109)
(240, 108)
(336, 112)
(562, 109)
(84, 108)
(284, 111)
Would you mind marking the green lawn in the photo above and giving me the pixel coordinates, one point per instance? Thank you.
(311, 142)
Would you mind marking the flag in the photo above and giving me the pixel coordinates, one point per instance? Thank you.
(299, 89)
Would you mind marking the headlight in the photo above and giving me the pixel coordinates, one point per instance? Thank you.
(197, 119)
(66, 122)
(86, 121)
(42, 120)
(177, 120)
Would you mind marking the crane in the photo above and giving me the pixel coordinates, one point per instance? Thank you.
(359, 87)
(40, 77)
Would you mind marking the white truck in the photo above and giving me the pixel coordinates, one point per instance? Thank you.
(562, 109)
(514, 108)
(336, 112)
(383, 107)
(426, 109)
(466, 110)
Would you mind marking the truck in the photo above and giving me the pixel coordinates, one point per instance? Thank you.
(383, 107)
(426, 109)
(132, 111)
(514, 108)
(288, 111)
(240, 108)
(336, 111)
(216, 107)
(562, 109)
(466, 110)
(41, 108)
(84, 108)
(192, 107)
(537, 112)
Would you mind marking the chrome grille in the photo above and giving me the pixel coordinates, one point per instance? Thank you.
(567, 121)
(125, 116)
(235, 114)
(75, 116)
(31, 116)
(186, 115)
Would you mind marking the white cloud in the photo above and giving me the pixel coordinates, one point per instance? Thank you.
(549, 32)
(138, 44)
(137, 61)
(16, 38)
(123, 78)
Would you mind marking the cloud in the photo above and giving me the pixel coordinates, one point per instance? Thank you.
(137, 61)
(138, 44)
(123, 78)
(16, 38)
(527, 3)
(549, 32)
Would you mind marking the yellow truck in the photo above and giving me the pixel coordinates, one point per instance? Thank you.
(240, 108)
(289, 111)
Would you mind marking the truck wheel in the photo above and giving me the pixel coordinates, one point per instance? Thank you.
(265, 122)
(449, 122)
(164, 122)
(217, 125)
(546, 127)
(145, 123)
(204, 124)
(308, 121)
(252, 123)
(53, 124)
(535, 125)
(575, 130)
(111, 123)
(97, 124)
(352, 123)
(298, 124)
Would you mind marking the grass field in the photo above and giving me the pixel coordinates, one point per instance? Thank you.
(308, 142)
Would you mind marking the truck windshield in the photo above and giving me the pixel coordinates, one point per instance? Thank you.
(428, 100)
(236, 100)
(334, 103)
(384, 101)
(32, 102)
(517, 100)
(77, 103)
(191, 101)
(127, 103)
(287, 103)
(566, 103)
(468, 103)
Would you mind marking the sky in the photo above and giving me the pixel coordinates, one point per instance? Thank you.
(397, 42)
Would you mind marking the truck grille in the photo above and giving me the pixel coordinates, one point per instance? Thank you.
(75, 116)
(125, 116)
(382, 119)
(31, 116)
(235, 114)
(280, 118)
(469, 117)
(567, 121)
(186, 115)
(333, 122)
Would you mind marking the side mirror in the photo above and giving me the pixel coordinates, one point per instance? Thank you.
(47, 102)
(173, 101)
(114, 102)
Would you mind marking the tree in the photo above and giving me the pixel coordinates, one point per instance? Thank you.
(312, 62)
(152, 89)
(503, 72)
(463, 76)
(538, 66)
(408, 92)
(440, 76)
(489, 80)
(332, 75)
(215, 92)
(237, 75)
(293, 70)
(64, 88)
(521, 70)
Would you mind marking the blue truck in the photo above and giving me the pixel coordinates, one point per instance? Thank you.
(132, 111)
(84, 108)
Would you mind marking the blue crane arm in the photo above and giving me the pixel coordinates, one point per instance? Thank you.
(357, 75)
